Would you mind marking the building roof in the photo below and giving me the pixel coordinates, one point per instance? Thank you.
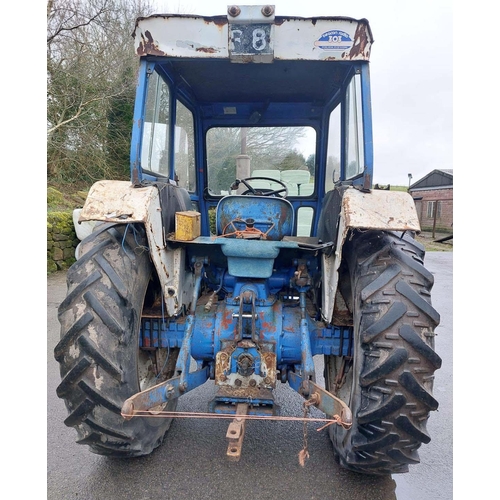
(437, 179)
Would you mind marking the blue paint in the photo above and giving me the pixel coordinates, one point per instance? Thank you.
(209, 332)
(272, 216)
(251, 258)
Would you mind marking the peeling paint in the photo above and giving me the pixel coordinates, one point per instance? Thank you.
(196, 47)
(148, 45)
(163, 35)
(208, 50)
(218, 21)
(360, 44)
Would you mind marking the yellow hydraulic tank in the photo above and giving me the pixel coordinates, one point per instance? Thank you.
(187, 225)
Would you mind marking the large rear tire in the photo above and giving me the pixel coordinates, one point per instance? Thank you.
(388, 381)
(100, 361)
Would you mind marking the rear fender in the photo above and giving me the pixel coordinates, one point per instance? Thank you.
(382, 210)
(120, 202)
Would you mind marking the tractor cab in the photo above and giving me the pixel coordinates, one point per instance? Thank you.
(253, 104)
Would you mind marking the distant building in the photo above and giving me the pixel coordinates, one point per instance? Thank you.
(433, 195)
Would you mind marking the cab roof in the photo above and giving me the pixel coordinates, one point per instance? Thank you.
(219, 60)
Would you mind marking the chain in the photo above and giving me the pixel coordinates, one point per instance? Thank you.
(304, 453)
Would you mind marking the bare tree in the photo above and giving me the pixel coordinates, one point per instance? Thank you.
(90, 68)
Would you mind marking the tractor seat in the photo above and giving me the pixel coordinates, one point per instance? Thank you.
(254, 217)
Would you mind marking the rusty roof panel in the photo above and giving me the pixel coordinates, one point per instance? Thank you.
(294, 38)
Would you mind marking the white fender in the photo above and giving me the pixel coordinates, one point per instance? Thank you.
(121, 202)
(82, 229)
(376, 209)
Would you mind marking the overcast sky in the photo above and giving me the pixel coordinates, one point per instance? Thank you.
(411, 76)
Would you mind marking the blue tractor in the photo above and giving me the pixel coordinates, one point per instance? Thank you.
(249, 243)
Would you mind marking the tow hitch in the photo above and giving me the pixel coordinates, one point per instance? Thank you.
(146, 404)
(236, 433)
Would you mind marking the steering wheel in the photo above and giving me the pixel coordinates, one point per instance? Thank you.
(261, 191)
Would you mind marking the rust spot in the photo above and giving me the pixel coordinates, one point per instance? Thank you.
(269, 359)
(208, 50)
(360, 42)
(147, 45)
(227, 320)
(135, 176)
(222, 365)
(268, 327)
(367, 183)
(165, 271)
(246, 59)
(246, 344)
(265, 325)
(219, 21)
(246, 392)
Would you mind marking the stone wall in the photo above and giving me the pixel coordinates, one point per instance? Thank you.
(61, 241)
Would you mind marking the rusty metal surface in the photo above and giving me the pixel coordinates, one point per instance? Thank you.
(361, 47)
(330, 405)
(182, 36)
(161, 393)
(245, 392)
(223, 365)
(236, 433)
(245, 386)
(319, 38)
